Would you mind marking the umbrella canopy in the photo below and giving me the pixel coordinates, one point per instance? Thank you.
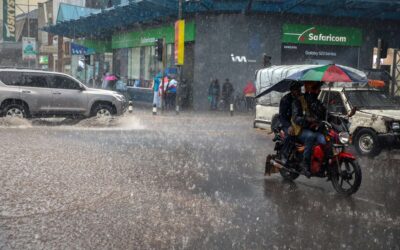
(315, 73)
(249, 88)
(110, 78)
(329, 73)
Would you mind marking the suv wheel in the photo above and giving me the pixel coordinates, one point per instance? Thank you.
(366, 142)
(102, 110)
(15, 110)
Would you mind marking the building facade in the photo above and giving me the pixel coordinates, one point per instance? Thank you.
(231, 44)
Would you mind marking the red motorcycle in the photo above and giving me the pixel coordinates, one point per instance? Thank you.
(330, 161)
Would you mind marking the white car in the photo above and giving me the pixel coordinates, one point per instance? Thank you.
(375, 124)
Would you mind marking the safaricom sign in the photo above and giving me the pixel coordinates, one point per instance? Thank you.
(323, 35)
(328, 38)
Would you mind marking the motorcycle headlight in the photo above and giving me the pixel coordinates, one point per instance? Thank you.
(396, 126)
(344, 137)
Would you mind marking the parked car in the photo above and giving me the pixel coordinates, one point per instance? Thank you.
(374, 125)
(34, 93)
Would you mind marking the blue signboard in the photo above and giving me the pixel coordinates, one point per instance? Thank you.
(77, 49)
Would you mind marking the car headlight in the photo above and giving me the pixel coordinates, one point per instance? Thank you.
(344, 137)
(396, 126)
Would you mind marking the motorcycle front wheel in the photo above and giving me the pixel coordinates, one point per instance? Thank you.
(346, 177)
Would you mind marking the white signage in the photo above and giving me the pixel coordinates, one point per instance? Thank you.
(29, 50)
(241, 59)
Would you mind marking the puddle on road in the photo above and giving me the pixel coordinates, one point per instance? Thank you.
(94, 123)
(114, 123)
(14, 122)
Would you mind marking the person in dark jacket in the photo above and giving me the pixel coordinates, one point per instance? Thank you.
(285, 106)
(307, 113)
(227, 93)
(285, 116)
(213, 93)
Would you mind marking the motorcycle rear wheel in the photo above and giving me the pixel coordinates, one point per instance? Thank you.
(346, 178)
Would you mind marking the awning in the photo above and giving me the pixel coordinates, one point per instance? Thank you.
(102, 23)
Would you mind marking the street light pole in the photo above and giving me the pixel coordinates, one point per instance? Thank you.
(29, 35)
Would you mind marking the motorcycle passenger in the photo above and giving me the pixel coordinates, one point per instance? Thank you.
(285, 116)
(317, 108)
(308, 111)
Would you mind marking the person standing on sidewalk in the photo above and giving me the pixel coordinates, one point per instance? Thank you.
(227, 93)
(249, 91)
(171, 92)
(213, 92)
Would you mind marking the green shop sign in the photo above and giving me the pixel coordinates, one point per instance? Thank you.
(96, 46)
(148, 37)
(323, 35)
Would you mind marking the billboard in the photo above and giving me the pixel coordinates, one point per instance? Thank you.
(29, 51)
(9, 20)
(179, 42)
(321, 35)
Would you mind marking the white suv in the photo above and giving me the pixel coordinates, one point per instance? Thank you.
(31, 93)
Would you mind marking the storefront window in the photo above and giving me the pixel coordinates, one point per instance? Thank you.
(134, 64)
(143, 66)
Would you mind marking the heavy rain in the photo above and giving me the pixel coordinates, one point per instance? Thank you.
(199, 124)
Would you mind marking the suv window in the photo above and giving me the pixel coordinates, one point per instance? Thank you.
(35, 80)
(62, 82)
(11, 78)
(335, 102)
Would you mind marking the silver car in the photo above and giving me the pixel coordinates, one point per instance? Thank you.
(34, 93)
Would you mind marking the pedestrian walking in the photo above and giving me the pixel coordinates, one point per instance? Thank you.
(213, 93)
(156, 87)
(171, 93)
(227, 93)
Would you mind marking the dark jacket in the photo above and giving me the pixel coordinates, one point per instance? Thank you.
(317, 108)
(227, 90)
(285, 110)
(214, 89)
(316, 111)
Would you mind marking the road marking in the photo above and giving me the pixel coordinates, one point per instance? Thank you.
(368, 201)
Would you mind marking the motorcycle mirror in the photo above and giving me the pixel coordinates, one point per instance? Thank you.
(353, 111)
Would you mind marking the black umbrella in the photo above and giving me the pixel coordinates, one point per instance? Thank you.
(282, 86)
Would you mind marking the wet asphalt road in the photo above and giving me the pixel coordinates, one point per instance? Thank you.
(194, 181)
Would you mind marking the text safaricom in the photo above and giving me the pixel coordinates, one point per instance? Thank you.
(328, 38)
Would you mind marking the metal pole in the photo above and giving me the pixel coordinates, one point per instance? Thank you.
(29, 34)
(164, 59)
(177, 97)
(394, 69)
(378, 54)
(180, 10)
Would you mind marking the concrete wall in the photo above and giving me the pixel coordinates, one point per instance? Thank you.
(218, 37)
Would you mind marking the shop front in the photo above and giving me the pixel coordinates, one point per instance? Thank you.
(135, 53)
(315, 44)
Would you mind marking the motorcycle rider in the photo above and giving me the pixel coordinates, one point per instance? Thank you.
(307, 113)
(285, 115)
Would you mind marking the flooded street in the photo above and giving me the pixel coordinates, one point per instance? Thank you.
(193, 181)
